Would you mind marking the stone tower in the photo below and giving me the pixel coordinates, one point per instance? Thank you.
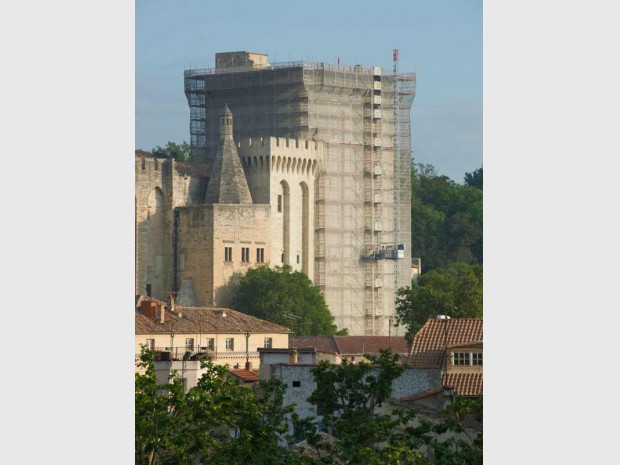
(359, 244)
(226, 234)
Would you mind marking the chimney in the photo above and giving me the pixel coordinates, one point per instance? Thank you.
(149, 309)
(171, 302)
(162, 313)
(248, 366)
(292, 356)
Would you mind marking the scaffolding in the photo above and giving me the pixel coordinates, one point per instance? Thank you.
(363, 186)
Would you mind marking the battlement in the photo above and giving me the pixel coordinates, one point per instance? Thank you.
(148, 165)
(279, 142)
(280, 154)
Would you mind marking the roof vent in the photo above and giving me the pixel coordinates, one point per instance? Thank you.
(443, 317)
(221, 313)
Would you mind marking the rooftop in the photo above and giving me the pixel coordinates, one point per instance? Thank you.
(464, 384)
(430, 343)
(246, 376)
(196, 320)
(356, 69)
(351, 345)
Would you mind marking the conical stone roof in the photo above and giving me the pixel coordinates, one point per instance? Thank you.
(228, 183)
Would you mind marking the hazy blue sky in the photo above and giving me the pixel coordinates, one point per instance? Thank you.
(440, 40)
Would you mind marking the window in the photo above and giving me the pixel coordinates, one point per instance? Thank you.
(189, 343)
(297, 258)
(461, 359)
(228, 254)
(245, 254)
(230, 343)
(467, 358)
(210, 345)
(296, 383)
(279, 203)
(260, 255)
(268, 343)
(150, 344)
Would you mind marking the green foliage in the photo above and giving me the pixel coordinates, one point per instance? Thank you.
(348, 395)
(217, 421)
(474, 179)
(464, 449)
(455, 291)
(446, 218)
(285, 297)
(180, 152)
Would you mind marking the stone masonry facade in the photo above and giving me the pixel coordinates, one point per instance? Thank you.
(198, 224)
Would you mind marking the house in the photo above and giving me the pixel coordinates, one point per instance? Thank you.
(454, 345)
(300, 383)
(351, 348)
(304, 356)
(222, 335)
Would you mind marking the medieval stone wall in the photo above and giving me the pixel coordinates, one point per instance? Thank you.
(205, 232)
(282, 172)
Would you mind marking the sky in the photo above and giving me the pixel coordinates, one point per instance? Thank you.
(441, 41)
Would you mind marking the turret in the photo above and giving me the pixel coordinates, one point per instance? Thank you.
(226, 125)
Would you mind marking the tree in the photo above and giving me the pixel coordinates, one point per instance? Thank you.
(180, 152)
(474, 179)
(217, 421)
(461, 447)
(446, 219)
(349, 395)
(455, 291)
(285, 297)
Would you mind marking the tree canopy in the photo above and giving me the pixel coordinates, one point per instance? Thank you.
(455, 291)
(349, 395)
(180, 152)
(446, 218)
(217, 421)
(474, 179)
(285, 297)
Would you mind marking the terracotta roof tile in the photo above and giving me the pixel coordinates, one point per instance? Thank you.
(322, 343)
(370, 344)
(245, 375)
(350, 345)
(204, 320)
(430, 342)
(464, 384)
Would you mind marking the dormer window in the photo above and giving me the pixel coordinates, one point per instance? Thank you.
(467, 359)
(461, 359)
